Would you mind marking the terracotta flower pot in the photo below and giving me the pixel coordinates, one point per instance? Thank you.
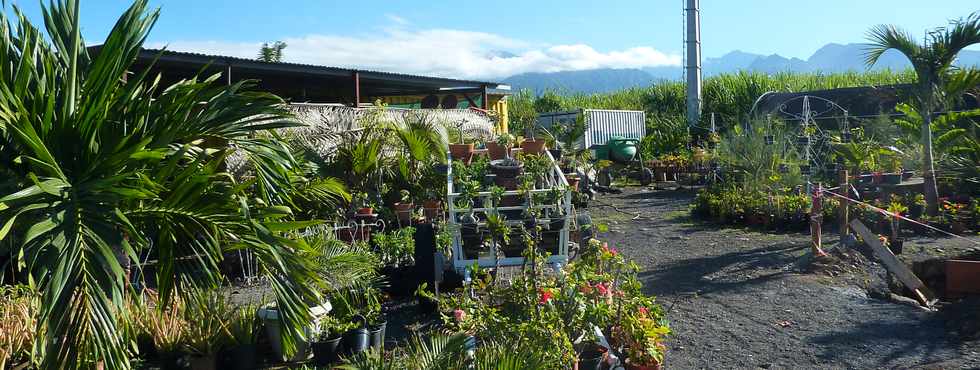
(462, 152)
(572, 182)
(432, 209)
(496, 151)
(535, 146)
(630, 366)
(404, 212)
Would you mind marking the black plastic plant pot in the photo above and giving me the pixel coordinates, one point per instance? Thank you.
(555, 153)
(356, 340)
(891, 178)
(591, 357)
(896, 246)
(377, 333)
(907, 175)
(240, 357)
(505, 169)
(441, 168)
(327, 351)
(770, 139)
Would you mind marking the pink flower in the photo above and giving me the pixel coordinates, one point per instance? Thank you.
(459, 315)
(606, 249)
(545, 296)
(644, 311)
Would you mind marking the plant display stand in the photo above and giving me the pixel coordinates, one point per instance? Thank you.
(557, 221)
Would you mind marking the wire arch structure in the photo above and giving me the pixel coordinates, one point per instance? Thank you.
(813, 141)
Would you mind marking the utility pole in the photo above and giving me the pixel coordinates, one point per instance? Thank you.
(693, 68)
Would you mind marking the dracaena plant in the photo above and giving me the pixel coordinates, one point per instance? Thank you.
(102, 163)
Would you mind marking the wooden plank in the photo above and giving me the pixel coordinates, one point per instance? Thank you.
(962, 277)
(892, 264)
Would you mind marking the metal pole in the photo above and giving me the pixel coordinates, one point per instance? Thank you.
(357, 89)
(693, 67)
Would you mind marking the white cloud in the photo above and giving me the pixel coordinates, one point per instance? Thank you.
(396, 19)
(440, 52)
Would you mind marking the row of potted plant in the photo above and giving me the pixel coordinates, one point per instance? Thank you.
(784, 210)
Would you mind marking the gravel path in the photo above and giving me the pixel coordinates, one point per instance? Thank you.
(740, 298)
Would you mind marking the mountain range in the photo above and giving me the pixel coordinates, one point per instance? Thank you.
(828, 59)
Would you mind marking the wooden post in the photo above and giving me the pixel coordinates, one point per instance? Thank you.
(816, 215)
(842, 212)
(894, 265)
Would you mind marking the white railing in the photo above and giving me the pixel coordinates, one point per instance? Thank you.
(554, 179)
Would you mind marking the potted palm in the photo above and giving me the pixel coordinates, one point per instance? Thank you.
(269, 314)
(243, 336)
(459, 149)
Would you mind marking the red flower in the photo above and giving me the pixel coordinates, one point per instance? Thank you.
(545, 296)
(459, 315)
(602, 288)
(644, 311)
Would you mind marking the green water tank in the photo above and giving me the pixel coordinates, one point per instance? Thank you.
(621, 149)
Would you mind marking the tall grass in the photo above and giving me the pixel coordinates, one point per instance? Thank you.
(728, 96)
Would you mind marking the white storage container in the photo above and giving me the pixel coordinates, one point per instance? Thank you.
(600, 124)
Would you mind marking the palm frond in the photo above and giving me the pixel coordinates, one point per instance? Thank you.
(886, 37)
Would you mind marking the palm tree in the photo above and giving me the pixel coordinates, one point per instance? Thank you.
(933, 64)
(272, 53)
(102, 164)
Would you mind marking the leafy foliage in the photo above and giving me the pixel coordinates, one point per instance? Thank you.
(103, 169)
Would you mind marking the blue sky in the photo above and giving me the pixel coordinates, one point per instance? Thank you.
(494, 39)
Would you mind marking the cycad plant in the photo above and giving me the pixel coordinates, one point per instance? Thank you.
(105, 165)
(937, 83)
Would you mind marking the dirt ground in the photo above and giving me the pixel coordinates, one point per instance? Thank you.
(744, 299)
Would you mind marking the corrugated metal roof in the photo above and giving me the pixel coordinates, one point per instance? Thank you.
(312, 68)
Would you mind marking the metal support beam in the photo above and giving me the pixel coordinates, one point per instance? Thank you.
(483, 96)
(693, 62)
(357, 89)
(228, 74)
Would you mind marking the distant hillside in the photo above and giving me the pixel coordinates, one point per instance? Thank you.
(587, 81)
(828, 59)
